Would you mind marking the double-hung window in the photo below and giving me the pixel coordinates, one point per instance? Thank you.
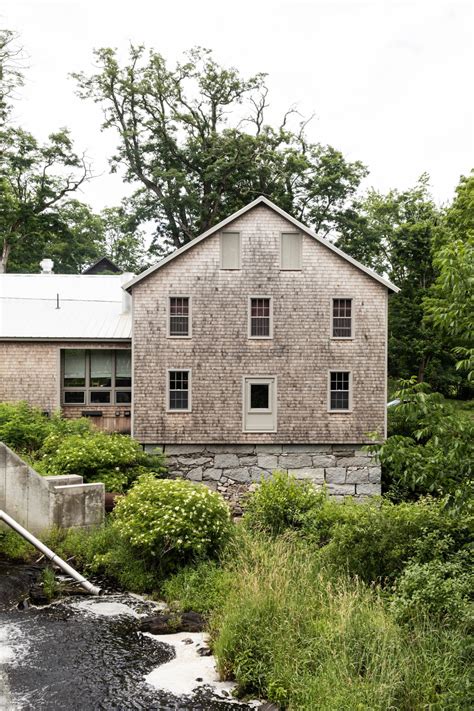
(341, 318)
(340, 391)
(95, 377)
(179, 391)
(179, 325)
(260, 317)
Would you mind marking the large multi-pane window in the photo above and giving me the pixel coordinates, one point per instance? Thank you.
(339, 390)
(260, 322)
(179, 317)
(342, 318)
(95, 377)
(179, 391)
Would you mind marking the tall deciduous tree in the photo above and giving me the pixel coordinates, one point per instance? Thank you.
(394, 233)
(195, 138)
(449, 305)
(35, 181)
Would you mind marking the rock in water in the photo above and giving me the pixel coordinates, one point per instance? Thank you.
(169, 624)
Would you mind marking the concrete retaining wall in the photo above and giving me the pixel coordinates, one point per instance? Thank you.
(39, 503)
(345, 469)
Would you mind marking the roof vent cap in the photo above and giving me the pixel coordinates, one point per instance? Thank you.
(46, 266)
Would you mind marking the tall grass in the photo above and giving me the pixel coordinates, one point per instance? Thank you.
(293, 632)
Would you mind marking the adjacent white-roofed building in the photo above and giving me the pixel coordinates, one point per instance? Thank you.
(65, 343)
(64, 306)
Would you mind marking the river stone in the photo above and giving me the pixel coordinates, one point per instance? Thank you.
(357, 475)
(169, 624)
(238, 474)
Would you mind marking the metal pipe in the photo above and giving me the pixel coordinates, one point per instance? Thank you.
(49, 554)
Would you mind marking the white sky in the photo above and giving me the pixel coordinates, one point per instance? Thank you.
(390, 81)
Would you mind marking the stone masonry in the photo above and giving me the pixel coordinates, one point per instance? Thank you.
(345, 470)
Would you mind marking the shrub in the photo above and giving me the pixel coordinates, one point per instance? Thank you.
(280, 503)
(376, 540)
(430, 448)
(114, 459)
(171, 521)
(440, 589)
(22, 427)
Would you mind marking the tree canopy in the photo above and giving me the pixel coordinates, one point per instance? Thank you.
(195, 139)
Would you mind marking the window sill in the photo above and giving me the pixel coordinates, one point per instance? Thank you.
(260, 338)
(342, 338)
(178, 412)
(339, 412)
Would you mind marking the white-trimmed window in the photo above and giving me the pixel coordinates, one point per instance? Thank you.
(291, 244)
(230, 250)
(179, 317)
(179, 390)
(260, 317)
(340, 395)
(259, 404)
(341, 318)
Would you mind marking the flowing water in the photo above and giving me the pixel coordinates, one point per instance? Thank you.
(87, 654)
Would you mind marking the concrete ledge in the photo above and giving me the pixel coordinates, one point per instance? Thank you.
(38, 503)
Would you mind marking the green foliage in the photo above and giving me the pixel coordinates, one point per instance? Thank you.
(117, 460)
(105, 553)
(440, 589)
(14, 547)
(449, 304)
(22, 427)
(196, 165)
(376, 540)
(304, 638)
(202, 587)
(430, 448)
(171, 521)
(50, 584)
(279, 503)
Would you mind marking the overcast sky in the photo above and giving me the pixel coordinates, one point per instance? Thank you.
(390, 81)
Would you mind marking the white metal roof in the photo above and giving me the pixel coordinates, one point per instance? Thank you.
(90, 307)
(261, 201)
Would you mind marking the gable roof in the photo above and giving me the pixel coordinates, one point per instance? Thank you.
(268, 203)
(104, 265)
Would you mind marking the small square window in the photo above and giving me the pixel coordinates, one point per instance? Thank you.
(260, 318)
(342, 318)
(123, 397)
(179, 326)
(100, 396)
(339, 390)
(178, 390)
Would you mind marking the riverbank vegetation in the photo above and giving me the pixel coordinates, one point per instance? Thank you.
(310, 603)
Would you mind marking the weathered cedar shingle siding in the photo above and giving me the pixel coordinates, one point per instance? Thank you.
(220, 353)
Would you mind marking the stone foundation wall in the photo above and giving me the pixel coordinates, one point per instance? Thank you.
(345, 469)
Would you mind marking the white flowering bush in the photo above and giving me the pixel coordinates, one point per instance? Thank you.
(172, 519)
(115, 459)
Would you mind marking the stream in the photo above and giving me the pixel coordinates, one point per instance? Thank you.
(87, 654)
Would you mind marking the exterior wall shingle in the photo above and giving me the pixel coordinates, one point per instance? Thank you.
(31, 372)
(220, 353)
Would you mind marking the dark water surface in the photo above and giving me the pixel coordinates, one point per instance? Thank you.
(66, 660)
